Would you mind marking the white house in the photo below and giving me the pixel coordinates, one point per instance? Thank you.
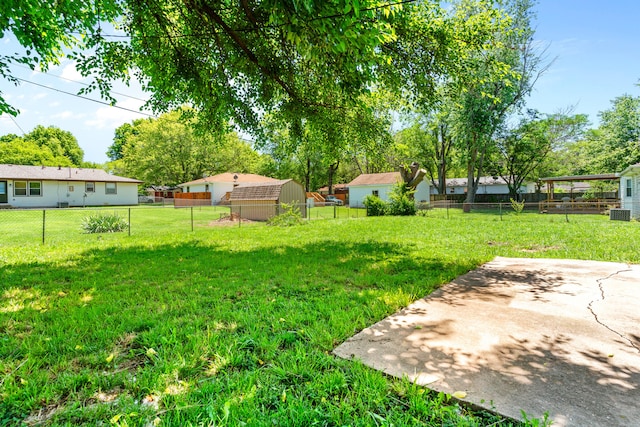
(630, 190)
(221, 185)
(486, 185)
(381, 184)
(24, 186)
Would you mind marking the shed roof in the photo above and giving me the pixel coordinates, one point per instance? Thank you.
(230, 177)
(56, 173)
(376, 179)
(259, 191)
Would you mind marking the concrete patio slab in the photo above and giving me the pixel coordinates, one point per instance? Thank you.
(532, 335)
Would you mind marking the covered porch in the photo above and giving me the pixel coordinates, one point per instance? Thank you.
(597, 203)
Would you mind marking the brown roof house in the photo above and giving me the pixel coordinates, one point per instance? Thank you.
(261, 201)
(381, 184)
(23, 186)
(219, 186)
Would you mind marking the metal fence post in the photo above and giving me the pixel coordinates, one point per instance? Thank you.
(191, 218)
(44, 215)
(129, 222)
(239, 215)
(500, 204)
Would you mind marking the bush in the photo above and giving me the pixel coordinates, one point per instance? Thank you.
(290, 216)
(375, 205)
(517, 206)
(104, 223)
(401, 200)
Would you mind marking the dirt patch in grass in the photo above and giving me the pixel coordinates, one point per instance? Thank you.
(229, 220)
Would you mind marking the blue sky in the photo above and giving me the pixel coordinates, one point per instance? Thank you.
(596, 47)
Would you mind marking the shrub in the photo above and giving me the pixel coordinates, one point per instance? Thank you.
(517, 206)
(289, 216)
(375, 205)
(104, 223)
(401, 200)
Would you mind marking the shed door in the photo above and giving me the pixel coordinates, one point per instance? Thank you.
(3, 192)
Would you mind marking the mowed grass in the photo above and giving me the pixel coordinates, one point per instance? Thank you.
(235, 325)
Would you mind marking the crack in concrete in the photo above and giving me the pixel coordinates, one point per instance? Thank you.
(602, 298)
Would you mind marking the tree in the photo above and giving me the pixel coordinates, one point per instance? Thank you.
(616, 143)
(17, 151)
(62, 143)
(498, 86)
(122, 135)
(522, 149)
(169, 150)
(48, 146)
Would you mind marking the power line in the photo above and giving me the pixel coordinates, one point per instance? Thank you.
(80, 83)
(16, 123)
(86, 98)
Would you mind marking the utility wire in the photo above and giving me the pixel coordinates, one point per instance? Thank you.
(16, 123)
(75, 81)
(86, 98)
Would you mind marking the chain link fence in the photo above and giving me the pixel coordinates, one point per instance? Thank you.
(48, 226)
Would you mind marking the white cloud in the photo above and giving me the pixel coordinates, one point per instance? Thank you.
(54, 104)
(111, 117)
(38, 96)
(67, 115)
(70, 72)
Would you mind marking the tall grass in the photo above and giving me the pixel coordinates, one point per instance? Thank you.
(235, 326)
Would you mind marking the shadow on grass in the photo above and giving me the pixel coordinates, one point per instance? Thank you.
(192, 311)
(494, 333)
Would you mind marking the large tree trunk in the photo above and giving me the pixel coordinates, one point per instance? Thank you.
(333, 168)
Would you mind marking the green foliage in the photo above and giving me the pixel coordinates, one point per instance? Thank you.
(49, 146)
(239, 320)
(104, 223)
(517, 206)
(375, 205)
(289, 215)
(170, 150)
(401, 200)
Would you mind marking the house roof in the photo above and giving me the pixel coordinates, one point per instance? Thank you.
(56, 173)
(484, 180)
(376, 179)
(631, 169)
(230, 177)
(259, 191)
(335, 187)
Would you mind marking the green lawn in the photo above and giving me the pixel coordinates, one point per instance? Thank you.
(235, 325)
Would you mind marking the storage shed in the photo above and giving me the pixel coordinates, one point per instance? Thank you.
(261, 201)
(630, 190)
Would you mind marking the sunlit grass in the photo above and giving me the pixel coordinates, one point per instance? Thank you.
(235, 325)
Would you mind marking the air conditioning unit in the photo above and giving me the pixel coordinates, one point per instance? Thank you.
(620, 214)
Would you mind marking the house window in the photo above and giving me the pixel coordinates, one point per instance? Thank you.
(375, 193)
(89, 187)
(27, 188)
(110, 188)
(629, 188)
(206, 188)
(20, 188)
(71, 189)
